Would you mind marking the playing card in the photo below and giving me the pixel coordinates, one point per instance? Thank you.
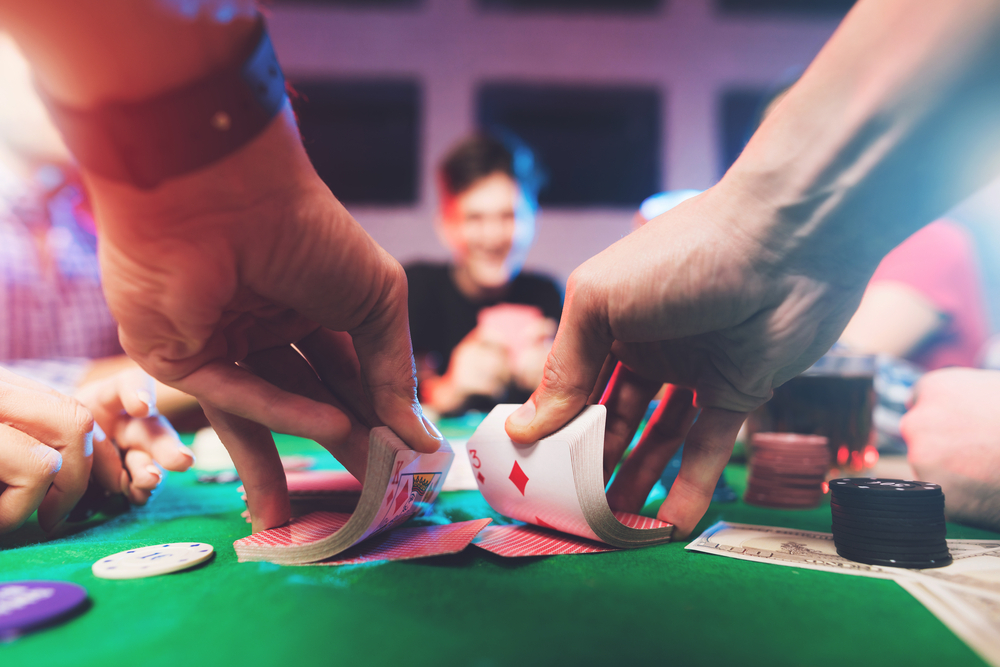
(557, 482)
(410, 543)
(533, 484)
(399, 483)
(519, 540)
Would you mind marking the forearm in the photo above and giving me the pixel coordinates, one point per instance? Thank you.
(87, 52)
(894, 122)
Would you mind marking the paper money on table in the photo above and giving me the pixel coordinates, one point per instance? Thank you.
(815, 551)
(965, 595)
(974, 617)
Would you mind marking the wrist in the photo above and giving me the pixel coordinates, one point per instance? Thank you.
(273, 167)
(805, 226)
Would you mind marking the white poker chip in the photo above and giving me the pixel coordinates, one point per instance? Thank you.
(151, 561)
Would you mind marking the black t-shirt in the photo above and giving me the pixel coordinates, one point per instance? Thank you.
(441, 316)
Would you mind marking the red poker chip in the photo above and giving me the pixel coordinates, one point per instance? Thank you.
(814, 487)
(776, 504)
(793, 439)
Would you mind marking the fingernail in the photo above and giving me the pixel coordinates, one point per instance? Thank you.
(524, 415)
(184, 449)
(154, 470)
(145, 397)
(431, 429)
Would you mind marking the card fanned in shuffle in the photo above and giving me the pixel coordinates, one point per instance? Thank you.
(409, 543)
(556, 483)
(518, 540)
(322, 490)
(399, 482)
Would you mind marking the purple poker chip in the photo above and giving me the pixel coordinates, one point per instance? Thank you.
(27, 605)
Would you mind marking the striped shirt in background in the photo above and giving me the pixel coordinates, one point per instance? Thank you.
(53, 316)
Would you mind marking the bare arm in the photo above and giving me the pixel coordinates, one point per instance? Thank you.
(235, 257)
(743, 287)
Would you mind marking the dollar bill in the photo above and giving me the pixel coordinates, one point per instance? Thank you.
(974, 617)
(816, 551)
(965, 595)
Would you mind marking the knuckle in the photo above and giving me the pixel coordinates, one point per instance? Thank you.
(80, 421)
(45, 463)
(558, 380)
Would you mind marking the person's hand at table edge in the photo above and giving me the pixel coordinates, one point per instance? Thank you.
(133, 443)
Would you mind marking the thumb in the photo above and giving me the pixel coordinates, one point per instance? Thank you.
(382, 343)
(582, 344)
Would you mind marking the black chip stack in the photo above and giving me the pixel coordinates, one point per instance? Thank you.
(787, 470)
(890, 522)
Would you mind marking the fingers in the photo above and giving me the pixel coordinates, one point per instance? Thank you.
(65, 426)
(256, 458)
(603, 378)
(158, 439)
(108, 471)
(332, 356)
(239, 392)
(663, 436)
(581, 346)
(627, 399)
(383, 346)
(27, 468)
(70, 482)
(707, 449)
(145, 476)
(288, 370)
(124, 407)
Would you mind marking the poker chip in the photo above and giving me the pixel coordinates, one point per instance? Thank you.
(895, 562)
(29, 605)
(787, 470)
(889, 522)
(153, 560)
(871, 487)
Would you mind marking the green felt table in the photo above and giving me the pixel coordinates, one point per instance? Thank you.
(660, 605)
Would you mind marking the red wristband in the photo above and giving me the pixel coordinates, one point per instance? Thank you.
(147, 142)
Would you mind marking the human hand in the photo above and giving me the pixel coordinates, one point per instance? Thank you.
(479, 366)
(711, 297)
(952, 433)
(249, 254)
(46, 452)
(133, 440)
(528, 362)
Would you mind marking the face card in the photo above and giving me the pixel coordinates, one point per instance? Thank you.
(532, 483)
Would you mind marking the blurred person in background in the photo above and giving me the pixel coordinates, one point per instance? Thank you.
(57, 335)
(481, 327)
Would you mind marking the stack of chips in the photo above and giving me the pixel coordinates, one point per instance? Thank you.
(889, 522)
(787, 470)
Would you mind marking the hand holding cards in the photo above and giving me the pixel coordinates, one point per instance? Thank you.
(399, 482)
(557, 482)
